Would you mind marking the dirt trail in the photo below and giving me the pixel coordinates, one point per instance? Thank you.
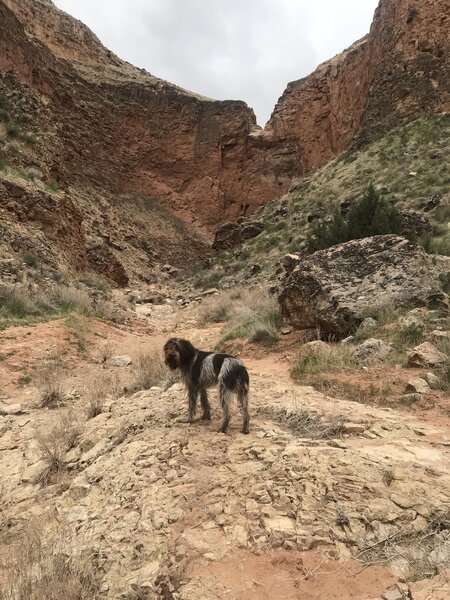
(324, 499)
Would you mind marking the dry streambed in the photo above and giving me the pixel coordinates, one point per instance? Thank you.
(163, 509)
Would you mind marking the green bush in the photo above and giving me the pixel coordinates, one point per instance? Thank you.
(372, 215)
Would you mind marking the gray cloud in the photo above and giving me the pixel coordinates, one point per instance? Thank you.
(227, 49)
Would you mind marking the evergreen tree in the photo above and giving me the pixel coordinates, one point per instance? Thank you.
(372, 215)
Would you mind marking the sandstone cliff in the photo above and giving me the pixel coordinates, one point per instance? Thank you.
(121, 128)
(105, 130)
(399, 71)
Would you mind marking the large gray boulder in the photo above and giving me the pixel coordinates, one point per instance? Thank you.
(230, 235)
(334, 289)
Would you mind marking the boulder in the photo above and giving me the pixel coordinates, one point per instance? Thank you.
(426, 355)
(120, 361)
(433, 381)
(333, 289)
(412, 222)
(230, 235)
(367, 324)
(417, 385)
(371, 351)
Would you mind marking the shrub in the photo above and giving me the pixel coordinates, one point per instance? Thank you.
(98, 389)
(49, 382)
(94, 281)
(42, 567)
(372, 215)
(16, 302)
(70, 298)
(30, 260)
(256, 316)
(52, 185)
(216, 308)
(148, 369)
(305, 424)
(53, 445)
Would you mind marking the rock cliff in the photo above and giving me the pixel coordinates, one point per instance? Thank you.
(121, 128)
(78, 115)
(400, 70)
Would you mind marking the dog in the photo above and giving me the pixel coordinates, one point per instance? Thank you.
(201, 370)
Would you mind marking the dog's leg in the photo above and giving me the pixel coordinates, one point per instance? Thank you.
(243, 401)
(206, 416)
(224, 398)
(192, 403)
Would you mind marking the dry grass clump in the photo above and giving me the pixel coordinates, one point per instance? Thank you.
(373, 394)
(310, 361)
(254, 315)
(70, 298)
(417, 555)
(98, 388)
(41, 567)
(148, 370)
(305, 424)
(263, 331)
(53, 445)
(216, 309)
(50, 384)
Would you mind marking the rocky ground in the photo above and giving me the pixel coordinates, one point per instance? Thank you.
(326, 498)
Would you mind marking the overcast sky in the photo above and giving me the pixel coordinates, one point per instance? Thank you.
(227, 49)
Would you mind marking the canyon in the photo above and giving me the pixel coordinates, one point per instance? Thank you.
(103, 123)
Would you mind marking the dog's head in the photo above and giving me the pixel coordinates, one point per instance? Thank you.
(178, 353)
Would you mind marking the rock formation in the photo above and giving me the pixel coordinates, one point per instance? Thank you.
(120, 128)
(113, 136)
(333, 289)
(400, 70)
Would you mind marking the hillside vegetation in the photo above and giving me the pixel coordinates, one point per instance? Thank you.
(409, 169)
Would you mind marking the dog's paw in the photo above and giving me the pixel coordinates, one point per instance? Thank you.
(245, 430)
(206, 417)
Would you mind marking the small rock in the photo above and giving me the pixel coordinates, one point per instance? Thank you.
(354, 428)
(426, 355)
(286, 330)
(433, 381)
(10, 409)
(120, 361)
(368, 323)
(417, 386)
(394, 594)
(348, 339)
(370, 351)
(78, 513)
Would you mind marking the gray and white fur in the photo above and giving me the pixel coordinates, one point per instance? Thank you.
(201, 370)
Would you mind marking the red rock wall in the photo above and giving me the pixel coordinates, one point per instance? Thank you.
(400, 70)
(118, 128)
(123, 129)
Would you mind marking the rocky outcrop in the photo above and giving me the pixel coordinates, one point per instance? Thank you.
(399, 71)
(120, 128)
(233, 234)
(333, 289)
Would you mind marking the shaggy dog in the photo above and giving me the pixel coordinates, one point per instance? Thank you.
(201, 370)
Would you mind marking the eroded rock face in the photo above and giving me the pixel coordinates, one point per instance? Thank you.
(121, 128)
(125, 130)
(398, 71)
(333, 288)
(233, 234)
